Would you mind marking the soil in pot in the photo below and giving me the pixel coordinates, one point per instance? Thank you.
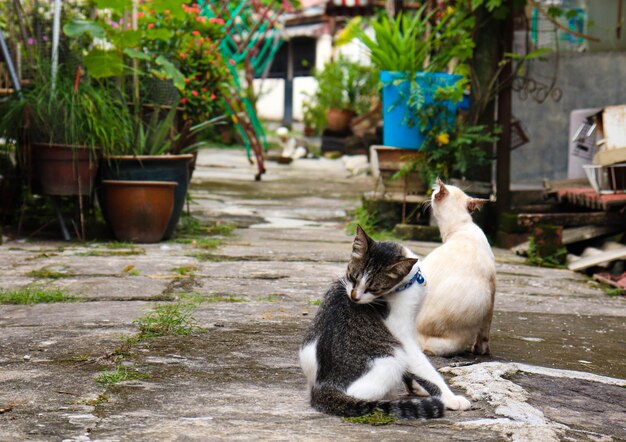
(139, 211)
(65, 170)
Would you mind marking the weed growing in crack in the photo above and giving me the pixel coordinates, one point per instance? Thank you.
(185, 270)
(216, 297)
(101, 399)
(377, 417)
(119, 374)
(315, 302)
(49, 274)
(167, 320)
(34, 295)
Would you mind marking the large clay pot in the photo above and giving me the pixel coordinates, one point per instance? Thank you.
(65, 170)
(138, 211)
(338, 120)
(152, 168)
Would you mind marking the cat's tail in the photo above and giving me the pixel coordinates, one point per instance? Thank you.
(330, 400)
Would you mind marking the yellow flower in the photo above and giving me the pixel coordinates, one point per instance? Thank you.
(443, 138)
(449, 10)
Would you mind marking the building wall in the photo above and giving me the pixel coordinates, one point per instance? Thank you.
(587, 80)
(271, 104)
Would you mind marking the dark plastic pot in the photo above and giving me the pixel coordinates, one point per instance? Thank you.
(65, 170)
(173, 168)
(138, 211)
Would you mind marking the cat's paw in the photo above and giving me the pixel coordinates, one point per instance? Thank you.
(453, 402)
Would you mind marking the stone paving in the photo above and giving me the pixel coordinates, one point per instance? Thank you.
(557, 373)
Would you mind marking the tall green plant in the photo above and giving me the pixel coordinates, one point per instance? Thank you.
(410, 42)
(74, 112)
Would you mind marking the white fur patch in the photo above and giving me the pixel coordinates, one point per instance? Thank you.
(383, 378)
(308, 362)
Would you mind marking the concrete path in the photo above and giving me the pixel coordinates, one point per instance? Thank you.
(559, 342)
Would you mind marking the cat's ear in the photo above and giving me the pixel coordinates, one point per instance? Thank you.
(360, 244)
(400, 269)
(474, 204)
(442, 191)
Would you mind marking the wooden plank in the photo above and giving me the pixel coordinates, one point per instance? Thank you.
(590, 261)
(574, 235)
(572, 219)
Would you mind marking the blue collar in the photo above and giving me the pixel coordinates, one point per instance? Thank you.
(416, 278)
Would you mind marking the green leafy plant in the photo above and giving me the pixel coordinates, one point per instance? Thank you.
(341, 84)
(412, 42)
(556, 260)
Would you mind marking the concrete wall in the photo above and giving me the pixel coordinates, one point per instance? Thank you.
(272, 101)
(587, 80)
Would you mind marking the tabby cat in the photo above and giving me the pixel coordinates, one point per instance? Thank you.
(361, 347)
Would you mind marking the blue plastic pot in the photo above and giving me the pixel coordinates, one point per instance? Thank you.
(400, 128)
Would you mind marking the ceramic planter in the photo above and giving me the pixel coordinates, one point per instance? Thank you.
(138, 211)
(338, 120)
(65, 170)
(400, 128)
(173, 168)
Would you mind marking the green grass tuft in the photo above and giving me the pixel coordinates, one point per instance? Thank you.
(32, 295)
(185, 270)
(315, 302)
(378, 417)
(167, 320)
(215, 297)
(120, 374)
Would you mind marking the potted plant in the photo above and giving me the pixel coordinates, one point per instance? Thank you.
(344, 90)
(62, 128)
(170, 44)
(413, 53)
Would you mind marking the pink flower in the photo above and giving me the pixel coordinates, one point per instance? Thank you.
(213, 96)
(194, 93)
(150, 25)
(232, 62)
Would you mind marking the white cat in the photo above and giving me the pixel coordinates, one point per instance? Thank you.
(461, 275)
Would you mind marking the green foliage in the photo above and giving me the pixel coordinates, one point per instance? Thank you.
(557, 260)
(34, 295)
(81, 114)
(376, 418)
(369, 221)
(411, 42)
(341, 84)
(167, 320)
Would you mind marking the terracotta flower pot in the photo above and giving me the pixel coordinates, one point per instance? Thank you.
(139, 211)
(338, 120)
(152, 168)
(65, 170)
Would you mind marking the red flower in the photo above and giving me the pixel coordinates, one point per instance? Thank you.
(183, 100)
(194, 93)
(150, 25)
(167, 12)
(232, 62)
(195, 33)
(182, 55)
(213, 96)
